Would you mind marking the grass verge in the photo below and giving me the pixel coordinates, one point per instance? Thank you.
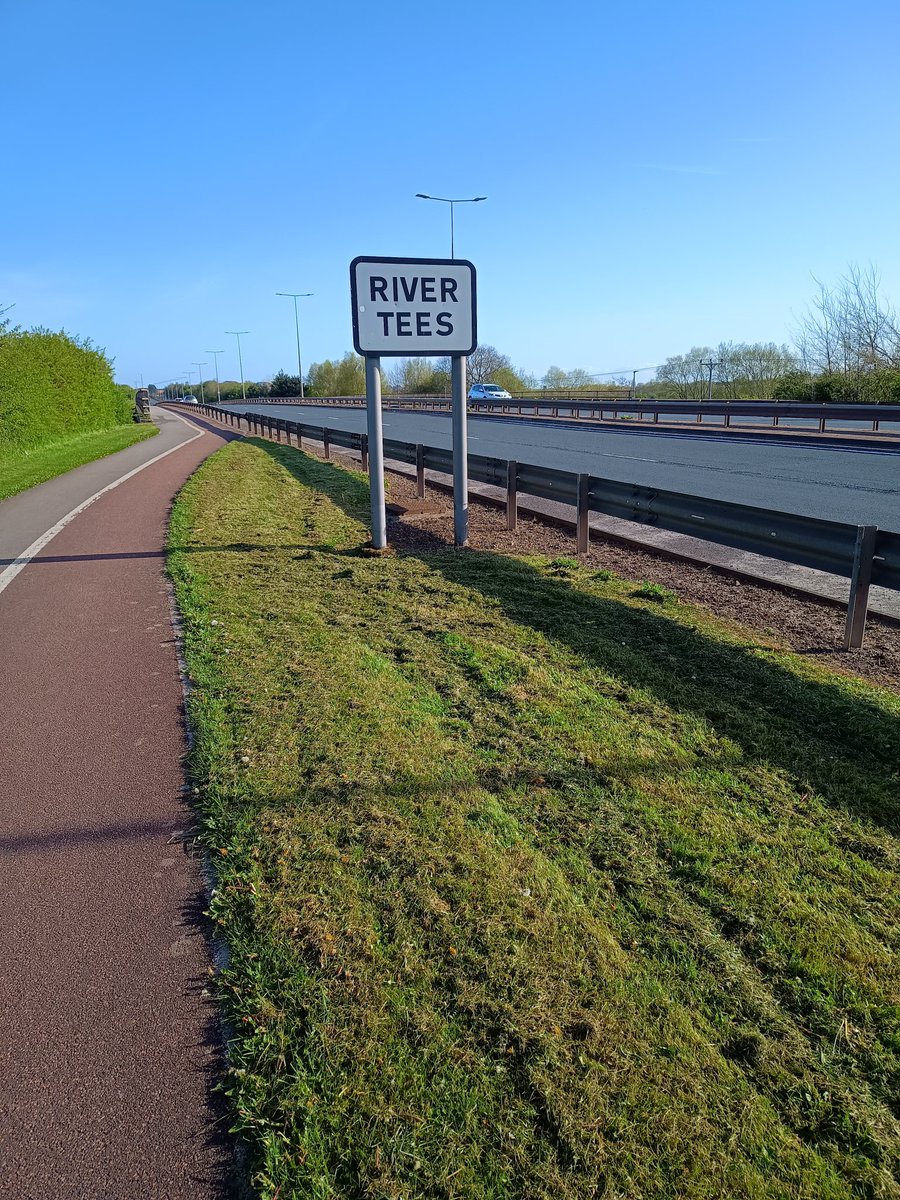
(535, 885)
(28, 468)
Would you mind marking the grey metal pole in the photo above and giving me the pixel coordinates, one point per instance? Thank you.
(452, 246)
(299, 363)
(460, 452)
(215, 354)
(376, 452)
(238, 334)
(860, 582)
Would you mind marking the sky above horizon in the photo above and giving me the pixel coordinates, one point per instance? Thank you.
(658, 176)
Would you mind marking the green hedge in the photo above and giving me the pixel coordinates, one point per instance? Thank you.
(53, 386)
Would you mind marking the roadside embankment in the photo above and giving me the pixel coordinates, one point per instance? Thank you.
(27, 468)
(536, 881)
(59, 407)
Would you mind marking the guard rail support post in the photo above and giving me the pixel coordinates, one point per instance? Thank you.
(821, 425)
(299, 436)
(512, 497)
(860, 581)
(582, 536)
(278, 430)
(420, 472)
(326, 443)
(364, 451)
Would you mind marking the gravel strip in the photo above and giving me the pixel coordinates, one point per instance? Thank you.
(802, 624)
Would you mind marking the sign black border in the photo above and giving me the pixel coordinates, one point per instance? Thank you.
(442, 262)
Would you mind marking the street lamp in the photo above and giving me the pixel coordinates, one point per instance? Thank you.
(215, 354)
(444, 200)
(295, 296)
(199, 367)
(239, 333)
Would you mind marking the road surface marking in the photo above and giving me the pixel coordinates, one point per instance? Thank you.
(22, 561)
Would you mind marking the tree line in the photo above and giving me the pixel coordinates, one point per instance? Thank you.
(846, 349)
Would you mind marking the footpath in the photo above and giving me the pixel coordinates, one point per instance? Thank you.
(109, 1047)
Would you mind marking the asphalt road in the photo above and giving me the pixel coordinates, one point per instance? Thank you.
(835, 483)
(108, 1049)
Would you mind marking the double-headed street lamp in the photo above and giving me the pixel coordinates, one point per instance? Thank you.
(215, 354)
(239, 333)
(295, 296)
(444, 200)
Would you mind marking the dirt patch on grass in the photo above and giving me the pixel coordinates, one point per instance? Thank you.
(806, 626)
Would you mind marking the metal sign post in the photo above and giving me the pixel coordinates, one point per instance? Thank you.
(376, 451)
(460, 451)
(404, 307)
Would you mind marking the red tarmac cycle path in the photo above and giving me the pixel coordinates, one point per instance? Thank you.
(108, 1048)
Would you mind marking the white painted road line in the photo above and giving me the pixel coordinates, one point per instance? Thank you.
(20, 563)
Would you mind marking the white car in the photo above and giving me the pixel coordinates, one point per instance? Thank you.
(488, 391)
(189, 400)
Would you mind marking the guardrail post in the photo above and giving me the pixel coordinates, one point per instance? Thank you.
(278, 430)
(420, 472)
(860, 581)
(326, 443)
(364, 451)
(583, 533)
(821, 424)
(299, 436)
(512, 496)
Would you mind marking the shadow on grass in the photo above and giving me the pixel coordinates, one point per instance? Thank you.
(843, 746)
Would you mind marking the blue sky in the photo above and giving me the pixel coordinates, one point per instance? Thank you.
(658, 174)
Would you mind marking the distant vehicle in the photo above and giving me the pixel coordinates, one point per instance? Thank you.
(488, 391)
(189, 400)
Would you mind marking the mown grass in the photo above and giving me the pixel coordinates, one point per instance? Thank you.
(533, 886)
(27, 468)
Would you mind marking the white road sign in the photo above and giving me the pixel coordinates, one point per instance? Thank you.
(406, 306)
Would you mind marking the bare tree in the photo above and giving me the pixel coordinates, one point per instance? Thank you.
(485, 363)
(849, 328)
(750, 370)
(412, 376)
(684, 374)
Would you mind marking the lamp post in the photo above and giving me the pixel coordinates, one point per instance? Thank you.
(444, 200)
(239, 333)
(199, 367)
(295, 296)
(215, 354)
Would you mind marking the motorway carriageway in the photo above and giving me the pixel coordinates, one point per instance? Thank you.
(835, 482)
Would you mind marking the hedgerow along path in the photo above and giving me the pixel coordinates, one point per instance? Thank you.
(533, 886)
